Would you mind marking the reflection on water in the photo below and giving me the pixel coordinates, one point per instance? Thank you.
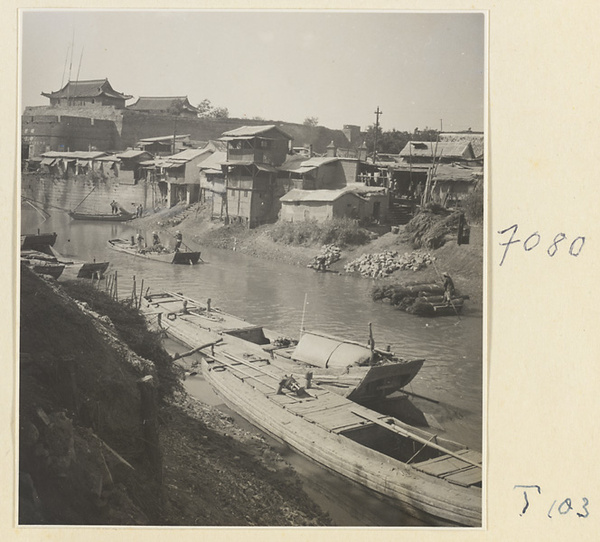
(273, 295)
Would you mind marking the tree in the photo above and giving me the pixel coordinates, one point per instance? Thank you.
(175, 108)
(207, 110)
(311, 121)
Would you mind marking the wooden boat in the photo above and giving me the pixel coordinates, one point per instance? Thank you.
(436, 306)
(169, 256)
(122, 216)
(90, 270)
(42, 263)
(345, 367)
(40, 242)
(430, 477)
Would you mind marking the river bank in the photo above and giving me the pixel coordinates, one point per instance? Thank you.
(109, 437)
(463, 262)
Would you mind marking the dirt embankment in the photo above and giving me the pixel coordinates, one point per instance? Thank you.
(463, 262)
(108, 437)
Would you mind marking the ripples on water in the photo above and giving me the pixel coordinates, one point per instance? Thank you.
(273, 295)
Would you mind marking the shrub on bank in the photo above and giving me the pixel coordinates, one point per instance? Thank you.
(131, 327)
(340, 231)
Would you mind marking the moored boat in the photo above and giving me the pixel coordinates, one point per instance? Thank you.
(40, 242)
(121, 216)
(166, 256)
(430, 477)
(346, 367)
(42, 263)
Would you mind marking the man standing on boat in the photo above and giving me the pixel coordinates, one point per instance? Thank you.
(178, 240)
(114, 207)
(449, 289)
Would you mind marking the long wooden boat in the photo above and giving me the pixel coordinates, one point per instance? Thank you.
(122, 216)
(122, 245)
(345, 367)
(432, 478)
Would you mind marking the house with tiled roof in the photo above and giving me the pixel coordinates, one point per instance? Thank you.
(165, 105)
(91, 92)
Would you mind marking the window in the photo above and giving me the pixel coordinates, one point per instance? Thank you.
(265, 144)
(245, 193)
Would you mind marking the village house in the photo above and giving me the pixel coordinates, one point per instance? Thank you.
(177, 176)
(131, 170)
(252, 189)
(165, 105)
(165, 145)
(80, 93)
(358, 202)
(420, 152)
(212, 178)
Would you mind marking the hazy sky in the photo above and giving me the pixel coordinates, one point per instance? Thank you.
(337, 66)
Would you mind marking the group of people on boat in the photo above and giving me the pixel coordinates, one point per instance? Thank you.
(156, 243)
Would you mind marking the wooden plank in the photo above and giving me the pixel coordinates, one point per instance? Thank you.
(466, 477)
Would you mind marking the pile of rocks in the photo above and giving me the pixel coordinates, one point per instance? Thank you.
(329, 254)
(385, 263)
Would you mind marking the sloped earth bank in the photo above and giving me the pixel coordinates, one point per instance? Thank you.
(108, 437)
(463, 262)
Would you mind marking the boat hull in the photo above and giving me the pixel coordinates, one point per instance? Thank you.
(121, 217)
(284, 417)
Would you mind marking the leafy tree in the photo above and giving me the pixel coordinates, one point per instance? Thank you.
(311, 121)
(175, 108)
(207, 110)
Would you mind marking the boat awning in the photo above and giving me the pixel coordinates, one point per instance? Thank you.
(48, 161)
(327, 352)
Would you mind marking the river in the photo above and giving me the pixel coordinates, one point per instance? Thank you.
(282, 297)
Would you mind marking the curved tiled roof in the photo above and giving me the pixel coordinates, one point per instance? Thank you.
(87, 89)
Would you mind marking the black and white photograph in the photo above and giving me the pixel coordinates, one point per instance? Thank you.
(252, 281)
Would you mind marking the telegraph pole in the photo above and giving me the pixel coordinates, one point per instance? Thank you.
(377, 114)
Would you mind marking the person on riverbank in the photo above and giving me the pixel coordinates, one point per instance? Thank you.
(140, 242)
(178, 240)
(140, 210)
(449, 289)
(155, 239)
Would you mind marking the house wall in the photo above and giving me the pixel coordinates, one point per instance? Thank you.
(305, 211)
(350, 169)
(346, 206)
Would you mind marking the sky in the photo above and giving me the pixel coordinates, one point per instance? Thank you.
(421, 69)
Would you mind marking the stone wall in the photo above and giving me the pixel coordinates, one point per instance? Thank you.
(67, 194)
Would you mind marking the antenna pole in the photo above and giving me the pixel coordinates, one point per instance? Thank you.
(377, 114)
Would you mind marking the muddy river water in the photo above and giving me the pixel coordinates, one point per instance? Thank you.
(283, 297)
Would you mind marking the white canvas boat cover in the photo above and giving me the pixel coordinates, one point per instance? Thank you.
(327, 352)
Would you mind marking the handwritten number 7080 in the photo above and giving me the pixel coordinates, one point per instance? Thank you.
(535, 239)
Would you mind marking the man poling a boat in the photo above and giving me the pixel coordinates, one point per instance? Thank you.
(178, 240)
(449, 290)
